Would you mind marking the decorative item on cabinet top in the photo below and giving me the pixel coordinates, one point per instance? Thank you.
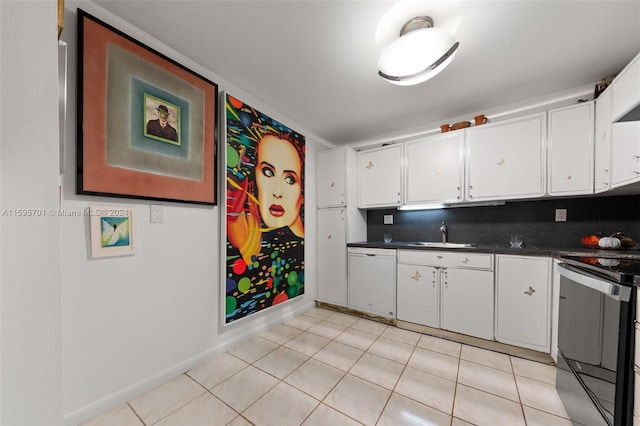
(460, 125)
(602, 85)
(477, 121)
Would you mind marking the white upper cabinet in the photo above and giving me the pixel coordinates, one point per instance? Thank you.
(334, 168)
(570, 150)
(505, 160)
(602, 142)
(435, 168)
(626, 90)
(625, 153)
(625, 125)
(380, 177)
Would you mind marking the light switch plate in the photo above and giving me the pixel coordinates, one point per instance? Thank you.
(388, 219)
(561, 215)
(157, 214)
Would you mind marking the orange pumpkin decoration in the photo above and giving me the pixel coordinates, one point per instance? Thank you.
(590, 241)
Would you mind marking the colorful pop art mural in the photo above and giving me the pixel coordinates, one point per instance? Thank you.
(265, 211)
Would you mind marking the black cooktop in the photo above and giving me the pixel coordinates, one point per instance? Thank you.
(620, 270)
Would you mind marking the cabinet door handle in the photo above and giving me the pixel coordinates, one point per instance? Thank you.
(329, 237)
(417, 276)
(569, 177)
(530, 291)
(369, 166)
(333, 184)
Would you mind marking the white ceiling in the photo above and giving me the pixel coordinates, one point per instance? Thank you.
(316, 61)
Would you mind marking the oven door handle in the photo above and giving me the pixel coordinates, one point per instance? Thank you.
(613, 290)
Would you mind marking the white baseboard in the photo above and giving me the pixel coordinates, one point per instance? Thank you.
(123, 395)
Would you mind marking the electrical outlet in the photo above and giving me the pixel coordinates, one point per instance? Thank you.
(157, 214)
(561, 215)
(388, 219)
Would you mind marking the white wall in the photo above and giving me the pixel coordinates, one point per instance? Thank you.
(30, 325)
(132, 323)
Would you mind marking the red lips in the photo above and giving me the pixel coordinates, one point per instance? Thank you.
(276, 210)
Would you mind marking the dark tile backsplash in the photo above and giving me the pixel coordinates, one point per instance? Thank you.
(534, 220)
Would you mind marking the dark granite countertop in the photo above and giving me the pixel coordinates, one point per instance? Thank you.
(525, 250)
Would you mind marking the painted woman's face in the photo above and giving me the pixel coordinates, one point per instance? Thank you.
(278, 178)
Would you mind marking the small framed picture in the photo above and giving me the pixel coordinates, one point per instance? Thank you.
(112, 231)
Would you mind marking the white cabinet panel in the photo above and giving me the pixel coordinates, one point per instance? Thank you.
(380, 177)
(418, 298)
(625, 153)
(523, 307)
(331, 182)
(457, 298)
(467, 302)
(570, 150)
(338, 225)
(636, 367)
(332, 256)
(435, 169)
(372, 282)
(626, 89)
(506, 160)
(602, 142)
(448, 259)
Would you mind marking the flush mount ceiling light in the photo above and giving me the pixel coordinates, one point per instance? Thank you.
(420, 53)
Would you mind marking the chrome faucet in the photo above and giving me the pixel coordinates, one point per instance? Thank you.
(443, 229)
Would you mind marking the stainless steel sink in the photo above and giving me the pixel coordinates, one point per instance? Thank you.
(442, 245)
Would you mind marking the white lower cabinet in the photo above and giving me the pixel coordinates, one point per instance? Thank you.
(332, 256)
(418, 295)
(448, 290)
(467, 302)
(523, 295)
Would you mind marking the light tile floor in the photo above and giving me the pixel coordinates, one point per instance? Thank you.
(328, 368)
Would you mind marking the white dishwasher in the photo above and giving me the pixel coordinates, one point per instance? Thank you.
(372, 280)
